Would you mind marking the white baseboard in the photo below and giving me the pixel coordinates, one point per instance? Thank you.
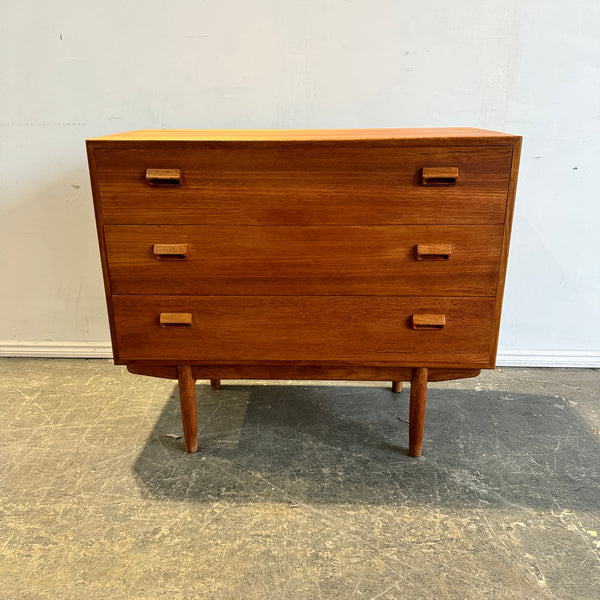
(506, 358)
(56, 349)
(549, 358)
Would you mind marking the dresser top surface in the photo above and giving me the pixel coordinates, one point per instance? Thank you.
(428, 135)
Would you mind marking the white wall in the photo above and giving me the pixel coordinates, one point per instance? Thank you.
(71, 69)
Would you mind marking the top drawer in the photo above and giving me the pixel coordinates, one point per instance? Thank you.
(303, 185)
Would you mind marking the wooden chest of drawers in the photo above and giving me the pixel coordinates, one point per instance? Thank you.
(310, 254)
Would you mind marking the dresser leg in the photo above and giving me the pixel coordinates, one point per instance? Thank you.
(215, 384)
(418, 399)
(396, 387)
(187, 399)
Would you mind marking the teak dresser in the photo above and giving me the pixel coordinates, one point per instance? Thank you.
(375, 254)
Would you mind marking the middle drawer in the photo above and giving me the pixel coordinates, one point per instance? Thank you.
(459, 260)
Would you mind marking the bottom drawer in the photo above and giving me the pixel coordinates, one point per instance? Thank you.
(402, 331)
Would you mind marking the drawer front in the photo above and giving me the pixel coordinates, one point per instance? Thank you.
(309, 329)
(319, 260)
(303, 185)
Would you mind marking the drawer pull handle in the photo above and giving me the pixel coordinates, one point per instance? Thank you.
(175, 319)
(173, 251)
(434, 251)
(439, 175)
(163, 177)
(425, 321)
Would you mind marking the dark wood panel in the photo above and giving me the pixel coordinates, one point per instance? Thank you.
(376, 260)
(306, 329)
(303, 186)
(514, 173)
(295, 372)
(102, 244)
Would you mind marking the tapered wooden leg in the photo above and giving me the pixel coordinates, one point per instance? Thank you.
(215, 384)
(187, 399)
(418, 399)
(396, 387)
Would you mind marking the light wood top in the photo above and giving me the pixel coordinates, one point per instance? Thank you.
(291, 135)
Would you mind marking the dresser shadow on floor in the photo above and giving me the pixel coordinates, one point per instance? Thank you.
(348, 444)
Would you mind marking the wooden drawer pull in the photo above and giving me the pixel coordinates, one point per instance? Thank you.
(176, 319)
(163, 177)
(174, 251)
(439, 175)
(425, 321)
(434, 251)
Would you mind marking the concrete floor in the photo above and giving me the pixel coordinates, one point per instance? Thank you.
(299, 491)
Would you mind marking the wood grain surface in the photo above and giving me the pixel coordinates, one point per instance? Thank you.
(440, 135)
(298, 372)
(303, 186)
(187, 403)
(342, 329)
(418, 400)
(374, 254)
(355, 260)
(510, 209)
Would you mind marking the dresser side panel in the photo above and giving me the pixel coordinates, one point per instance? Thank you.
(510, 208)
(90, 147)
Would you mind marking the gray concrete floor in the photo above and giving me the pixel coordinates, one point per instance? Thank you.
(299, 491)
